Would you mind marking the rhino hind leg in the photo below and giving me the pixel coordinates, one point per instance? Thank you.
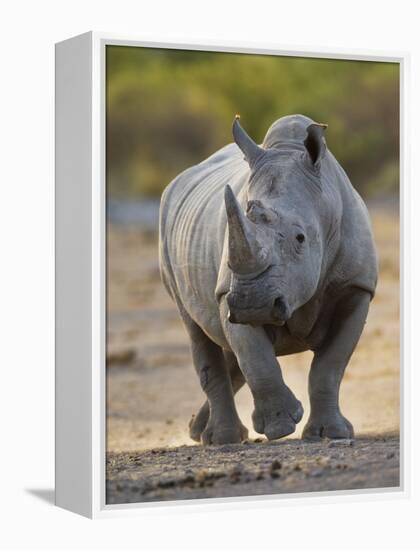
(328, 366)
(199, 421)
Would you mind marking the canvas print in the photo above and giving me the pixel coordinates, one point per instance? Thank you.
(253, 316)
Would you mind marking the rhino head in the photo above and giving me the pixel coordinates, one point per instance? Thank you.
(276, 239)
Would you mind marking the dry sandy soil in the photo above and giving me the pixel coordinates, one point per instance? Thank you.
(152, 392)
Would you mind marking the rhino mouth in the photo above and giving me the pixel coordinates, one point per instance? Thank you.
(275, 312)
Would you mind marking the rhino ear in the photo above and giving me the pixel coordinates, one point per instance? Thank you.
(249, 148)
(315, 143)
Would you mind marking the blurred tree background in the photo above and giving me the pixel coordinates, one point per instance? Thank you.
(170, 109)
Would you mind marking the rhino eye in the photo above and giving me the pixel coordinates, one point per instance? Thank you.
(300, 237)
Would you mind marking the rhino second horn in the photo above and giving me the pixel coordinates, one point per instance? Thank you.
(246, 256)
(249, 148)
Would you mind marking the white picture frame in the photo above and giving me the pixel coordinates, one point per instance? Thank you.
(80, 272)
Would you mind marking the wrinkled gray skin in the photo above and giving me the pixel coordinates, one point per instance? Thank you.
(268, 251)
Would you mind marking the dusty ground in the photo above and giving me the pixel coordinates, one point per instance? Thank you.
(153, 391)
(289, 466)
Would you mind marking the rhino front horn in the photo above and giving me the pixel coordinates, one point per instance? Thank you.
(249, 148)
(246, 256)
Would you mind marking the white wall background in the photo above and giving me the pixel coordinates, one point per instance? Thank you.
(28, 32)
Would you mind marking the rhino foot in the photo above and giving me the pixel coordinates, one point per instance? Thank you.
(209, 433)
(277, 418)
(223, 432)
(329, 426)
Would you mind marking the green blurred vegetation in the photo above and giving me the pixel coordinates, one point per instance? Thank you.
(169, 109)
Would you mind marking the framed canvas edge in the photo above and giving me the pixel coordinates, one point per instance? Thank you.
(99, 507)
(73, 260)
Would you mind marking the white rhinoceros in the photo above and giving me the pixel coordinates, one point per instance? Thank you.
(268, 251)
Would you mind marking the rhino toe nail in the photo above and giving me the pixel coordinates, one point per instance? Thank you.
(298, 414)
(282, 429)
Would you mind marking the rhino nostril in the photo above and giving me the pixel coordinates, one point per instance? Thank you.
(231, 317)
(279, 303)
(280, 309)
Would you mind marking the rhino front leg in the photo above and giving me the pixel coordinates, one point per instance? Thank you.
(199, 421)
(277, 411)
(223, 425)
(328, 366)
